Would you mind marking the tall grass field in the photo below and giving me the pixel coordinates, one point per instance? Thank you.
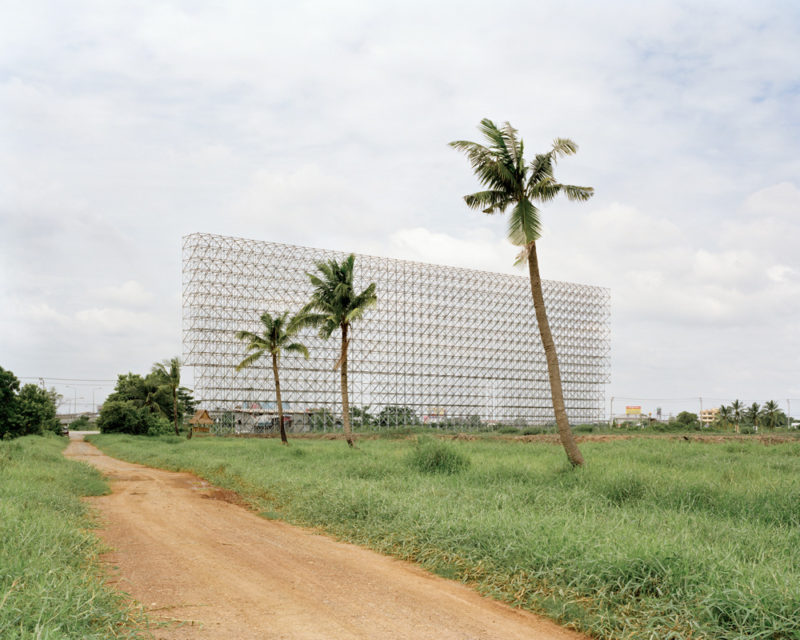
(50, 587)
(652, 539)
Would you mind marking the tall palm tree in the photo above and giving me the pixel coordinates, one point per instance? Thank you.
(334, 303)
(170, 373)
(278, 331)
(511, 182)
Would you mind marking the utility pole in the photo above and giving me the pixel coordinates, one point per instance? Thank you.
(611, 413)
(788, 414)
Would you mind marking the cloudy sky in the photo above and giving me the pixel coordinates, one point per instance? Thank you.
(124, 126)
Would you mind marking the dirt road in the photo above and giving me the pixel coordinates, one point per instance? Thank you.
(191, 555)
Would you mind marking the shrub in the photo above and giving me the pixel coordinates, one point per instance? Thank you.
(397, 416)
(79, 424)
(435, 456)
(123, 416)
(508, 429)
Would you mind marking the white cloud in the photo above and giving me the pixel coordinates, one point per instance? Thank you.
(126, 127)
(128, 294)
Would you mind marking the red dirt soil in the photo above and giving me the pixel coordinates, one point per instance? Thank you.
(207, 568)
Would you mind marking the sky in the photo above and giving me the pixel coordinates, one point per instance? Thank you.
(125, 126)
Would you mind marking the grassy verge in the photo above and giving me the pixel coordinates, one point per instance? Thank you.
(653, 539)
(49, 584)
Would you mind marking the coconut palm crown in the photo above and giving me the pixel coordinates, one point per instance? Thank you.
(335, 304)
(170, 373)
(278, 331)
(510, 181)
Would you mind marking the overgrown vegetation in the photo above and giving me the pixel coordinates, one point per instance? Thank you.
(652, 539)
(154, 404)
(437, 456)
(49, 589)
(26, 411)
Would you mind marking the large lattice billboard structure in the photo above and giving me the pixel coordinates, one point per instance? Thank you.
(445, 342)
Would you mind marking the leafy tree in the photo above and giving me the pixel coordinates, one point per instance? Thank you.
(27, 410)
(511, 182)
(36, 411)
(151, 392)
(687, 419)
(278, 331)
(396, 415)
(361, 417)
(334, 303)
(9, 386)
(169, 371)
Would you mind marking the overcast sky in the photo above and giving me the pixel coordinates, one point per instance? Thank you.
(124, 126)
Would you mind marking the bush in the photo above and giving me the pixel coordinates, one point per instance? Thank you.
(160, 426)
(435, 456)
(80, 424)
(397, 416)
(124, 417)
(508, 429)
(532, 431)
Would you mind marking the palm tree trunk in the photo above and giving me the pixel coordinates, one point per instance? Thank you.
(284, 440)
(175, 409)
(562, 423)
(348, 434)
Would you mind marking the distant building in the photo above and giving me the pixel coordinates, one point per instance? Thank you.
(707, 416)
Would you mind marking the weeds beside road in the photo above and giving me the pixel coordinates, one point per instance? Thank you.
(50, 587)
(654, 538)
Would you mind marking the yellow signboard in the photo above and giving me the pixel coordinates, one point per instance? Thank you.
(633, 410)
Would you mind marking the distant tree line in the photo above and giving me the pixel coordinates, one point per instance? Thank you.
(26, 410)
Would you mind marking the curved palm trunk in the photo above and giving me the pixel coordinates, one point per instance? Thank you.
(564, 432)
(284, 440)
(348, 434)
(175, 408)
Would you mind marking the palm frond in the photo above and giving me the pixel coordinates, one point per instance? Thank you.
(250, 359)
(490, 201)
(524, 225)
(578, 193)
(564, 147)
(296, 347)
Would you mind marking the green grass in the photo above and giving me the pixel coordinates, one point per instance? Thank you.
(653, 539)
(49, 577)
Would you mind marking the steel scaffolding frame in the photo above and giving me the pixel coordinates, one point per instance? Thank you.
(449, 343)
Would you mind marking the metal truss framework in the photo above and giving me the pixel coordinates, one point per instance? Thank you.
(447, 342)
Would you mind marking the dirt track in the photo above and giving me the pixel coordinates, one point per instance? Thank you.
(189, 554)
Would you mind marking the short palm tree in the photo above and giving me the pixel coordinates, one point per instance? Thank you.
(170, 373)
(737, 411)
(511, 182)
(278, 332)
(752, 413)
(771, 414)
(335, 304)
(724, 415)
